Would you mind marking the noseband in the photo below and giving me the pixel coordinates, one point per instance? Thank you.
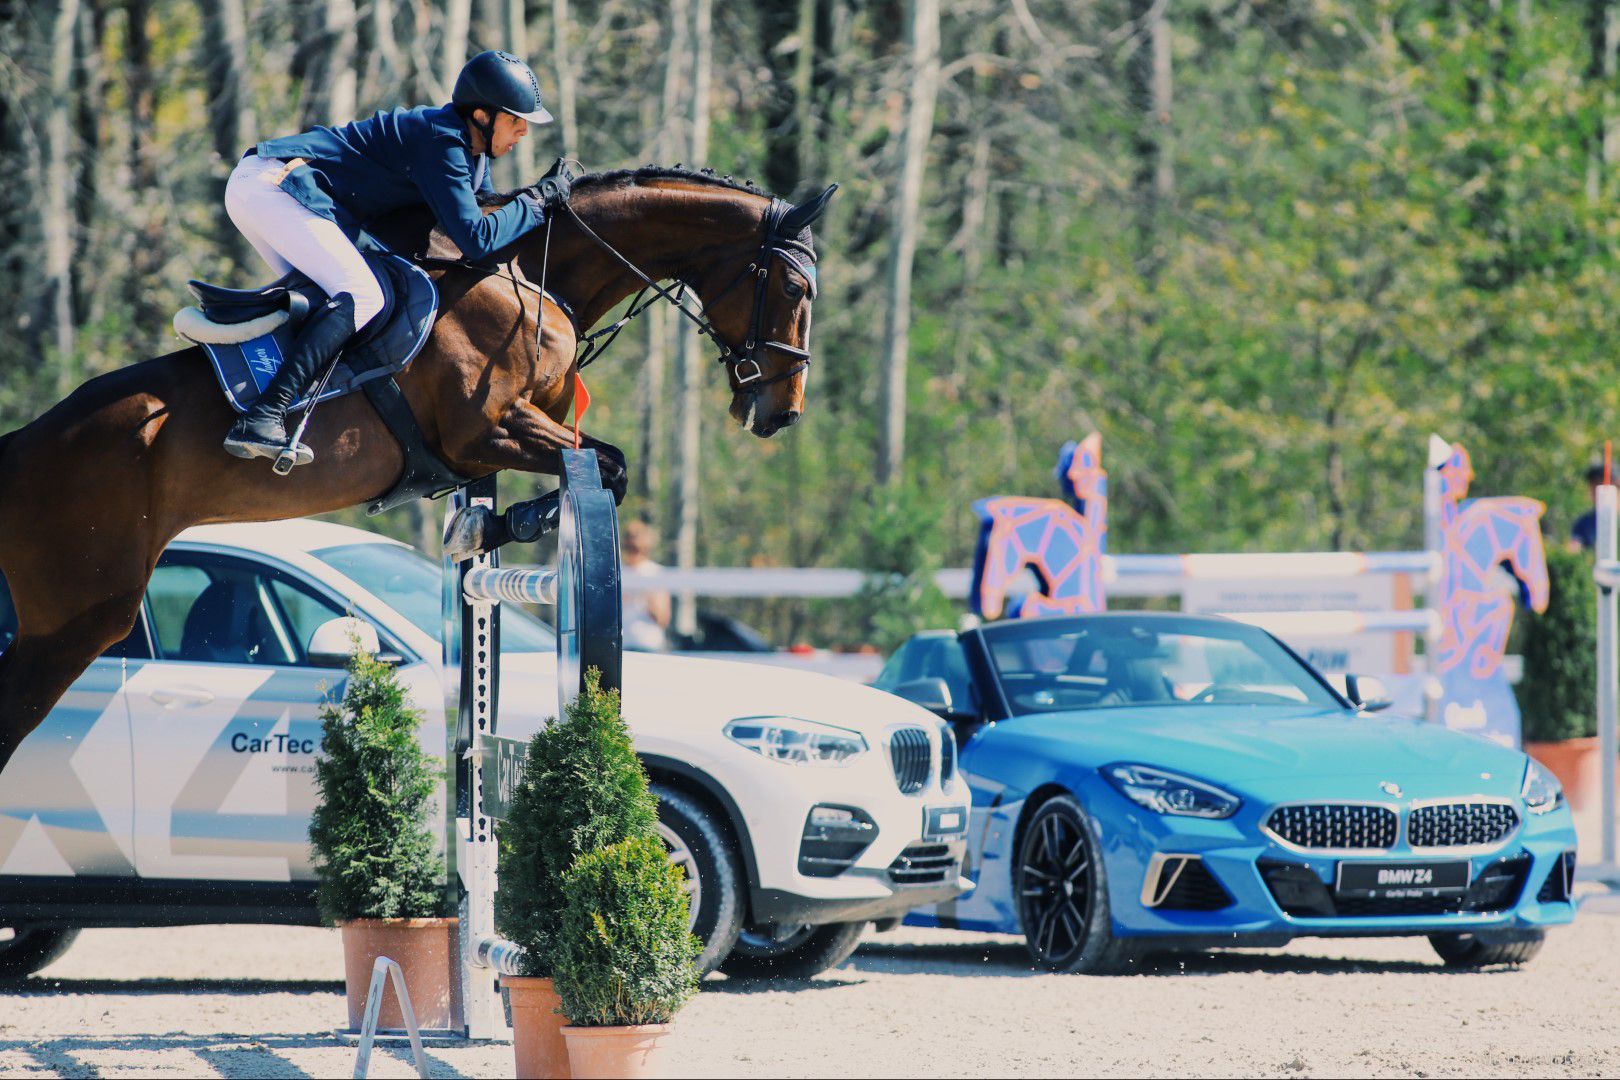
(746, 369)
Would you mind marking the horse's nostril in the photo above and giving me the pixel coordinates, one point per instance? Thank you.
(789, 418)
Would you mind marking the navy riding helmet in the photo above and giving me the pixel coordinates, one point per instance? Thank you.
(499, 80)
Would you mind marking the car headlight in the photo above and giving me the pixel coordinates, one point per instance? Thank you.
(1541, 790)
(1170, 793)
(796, 741)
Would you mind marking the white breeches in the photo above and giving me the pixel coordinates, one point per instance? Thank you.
(289, 236)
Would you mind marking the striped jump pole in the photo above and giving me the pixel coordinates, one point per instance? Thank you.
(584, 590)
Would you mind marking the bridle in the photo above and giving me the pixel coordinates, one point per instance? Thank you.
(791, 250)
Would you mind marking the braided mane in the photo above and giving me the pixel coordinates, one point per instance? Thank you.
(647, 173)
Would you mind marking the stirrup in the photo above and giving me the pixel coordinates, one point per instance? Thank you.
(292, 455)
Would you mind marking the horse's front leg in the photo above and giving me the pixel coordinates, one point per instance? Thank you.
(528, 440)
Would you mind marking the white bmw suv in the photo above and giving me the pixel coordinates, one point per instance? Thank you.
(173, 785)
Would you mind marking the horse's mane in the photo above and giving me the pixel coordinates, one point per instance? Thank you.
(407, 229)
(650, 173)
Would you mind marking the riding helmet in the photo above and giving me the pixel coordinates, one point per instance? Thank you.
(499, 80)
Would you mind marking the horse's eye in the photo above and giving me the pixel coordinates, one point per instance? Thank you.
(792, 288)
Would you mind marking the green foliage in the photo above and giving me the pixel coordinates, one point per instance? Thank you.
(1558, 694)
(583, 789)
(626, 955)
(374, 852)
(901, 542)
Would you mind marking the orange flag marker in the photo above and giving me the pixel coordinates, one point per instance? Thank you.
(582, 401)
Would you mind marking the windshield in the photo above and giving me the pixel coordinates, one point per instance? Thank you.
(410, 584)
(1114, 661)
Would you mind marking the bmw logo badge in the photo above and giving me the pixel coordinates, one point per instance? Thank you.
(1390, 788)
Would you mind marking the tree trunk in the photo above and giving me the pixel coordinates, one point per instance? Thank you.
(382, 64)
(517, 43)
(453, 52)
(655, 427)
(804, 65)
(778, 20)
(91, 101)
(230, 116)
(1601, 32)
(425, 81)
(563, 57)
(1149, 76)
(922, 40)
(148, 255)
(689, 368)
(330, 90)
(58, 189)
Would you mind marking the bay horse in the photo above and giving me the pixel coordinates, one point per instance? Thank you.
(93, 490)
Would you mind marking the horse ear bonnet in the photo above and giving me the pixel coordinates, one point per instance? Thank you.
(807, 214)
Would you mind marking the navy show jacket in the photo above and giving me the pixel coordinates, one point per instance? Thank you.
(362, 170)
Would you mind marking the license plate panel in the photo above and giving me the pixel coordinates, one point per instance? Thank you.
(944, 822)
(1406, 879)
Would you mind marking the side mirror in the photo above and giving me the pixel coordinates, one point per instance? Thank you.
(1367, 692)
(932, 694)
(333, 640)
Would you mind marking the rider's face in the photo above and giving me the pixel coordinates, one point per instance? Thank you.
(508, 130)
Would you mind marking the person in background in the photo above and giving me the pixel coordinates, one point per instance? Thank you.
(1583, 534)
(646, 614)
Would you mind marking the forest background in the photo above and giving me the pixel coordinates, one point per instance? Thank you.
(1264, 246)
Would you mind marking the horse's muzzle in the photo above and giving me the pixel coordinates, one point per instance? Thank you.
(784, 419)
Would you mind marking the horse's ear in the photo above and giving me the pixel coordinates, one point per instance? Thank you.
(804, 215)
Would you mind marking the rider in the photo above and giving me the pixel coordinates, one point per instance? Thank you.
(301, 201)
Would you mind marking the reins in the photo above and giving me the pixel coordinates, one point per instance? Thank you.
(590, 346)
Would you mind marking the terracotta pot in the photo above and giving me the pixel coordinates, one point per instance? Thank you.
(1577, 765)
(537, 1029)
(423, 948)
(605, 1053)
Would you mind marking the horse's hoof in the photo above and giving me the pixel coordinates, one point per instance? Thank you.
(468, 533)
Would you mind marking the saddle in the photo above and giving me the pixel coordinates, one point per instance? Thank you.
(247, 333)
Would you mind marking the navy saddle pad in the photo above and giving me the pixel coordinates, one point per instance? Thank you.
(382, 348)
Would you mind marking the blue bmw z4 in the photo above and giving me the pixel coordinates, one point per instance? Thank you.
(1148, 782)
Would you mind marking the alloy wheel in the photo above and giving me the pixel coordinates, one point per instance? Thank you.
(1055, 885)
(681, 855)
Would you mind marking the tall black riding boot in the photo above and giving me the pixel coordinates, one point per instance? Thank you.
(262, 430)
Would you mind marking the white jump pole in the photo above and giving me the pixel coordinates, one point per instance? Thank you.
(1606, 572)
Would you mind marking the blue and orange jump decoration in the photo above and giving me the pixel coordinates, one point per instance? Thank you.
(1480, 545)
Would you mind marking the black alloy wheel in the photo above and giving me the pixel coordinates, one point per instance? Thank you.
(1063, 892)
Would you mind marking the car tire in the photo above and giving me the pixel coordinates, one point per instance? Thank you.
(1478, 950)
(30, 948)
(802, 953)
(1058, 857)
(699, 840)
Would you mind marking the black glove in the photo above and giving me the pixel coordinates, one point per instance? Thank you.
(553, 190)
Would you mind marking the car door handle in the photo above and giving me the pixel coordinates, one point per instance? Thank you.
(181, 696)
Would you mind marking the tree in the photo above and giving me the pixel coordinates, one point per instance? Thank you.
(922, 75)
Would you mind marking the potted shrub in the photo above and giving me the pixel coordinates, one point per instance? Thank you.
(583, 788)
(382, 878)
(1558, 694)
(625, 961)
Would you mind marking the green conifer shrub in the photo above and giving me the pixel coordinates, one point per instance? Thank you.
(583, 789)
(1558, 694)
(374, 852)
(624, 953)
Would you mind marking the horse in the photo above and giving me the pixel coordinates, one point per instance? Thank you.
(93, 490)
